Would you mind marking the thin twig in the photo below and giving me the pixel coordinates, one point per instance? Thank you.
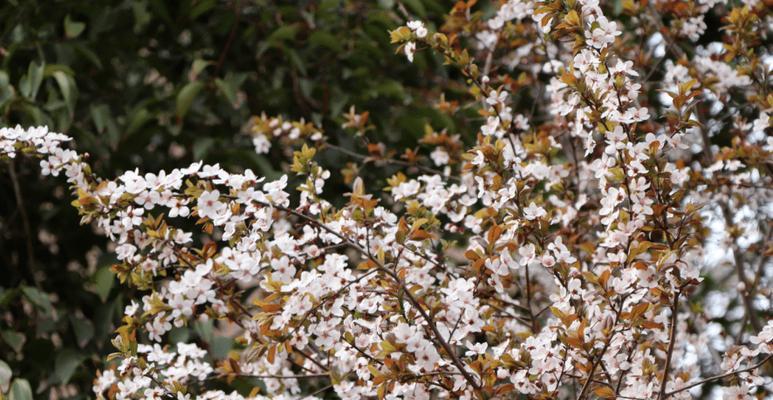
(745, 292)
(393, 161)
(25, 221)
(231, 36)
(269, 376)
(598, 360)
(671, 339)
(414, 302)
(720, 376)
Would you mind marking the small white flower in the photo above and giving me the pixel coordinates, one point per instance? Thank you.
(418, 28)
(261, 143)
(440, 156)
(406, 189)
(533, 212)
(410, 49)
(209, 204)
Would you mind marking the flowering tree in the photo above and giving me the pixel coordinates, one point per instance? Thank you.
(586, 241)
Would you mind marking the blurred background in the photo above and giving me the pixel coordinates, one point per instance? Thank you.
(157, 84)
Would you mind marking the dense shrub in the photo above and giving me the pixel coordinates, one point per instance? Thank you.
(579, 208)
(150, 84)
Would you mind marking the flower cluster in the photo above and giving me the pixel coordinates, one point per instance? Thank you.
(264, 130)
(602, 233)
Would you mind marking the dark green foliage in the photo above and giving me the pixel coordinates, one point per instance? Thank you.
(154, 85)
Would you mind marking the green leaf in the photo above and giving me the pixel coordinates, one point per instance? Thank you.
(229, 86)
(186, 96)
(6, 295)
(201, 7)
(83, 328)
(306, 85)
(67, 87)
(338, 100)
(325, 39)
(386, 4)
(103, 280)
(204, 329)
(179, 335)
(284, 32)
(227, 89)
(20, 390)
(198, 66)
(137, 119)
(6, 89)
(73, 29)
(416, 7)
(201, 147)
(30, 83)
(37, 298)
(296, 60)
(35, 113)
(100, 114)
(618, 9)
(141, 15)
(220, 346)
(5, 376)
(256, 161)
(277, 37)
(51, 68)
(66, 362)
(388, 88)
(13, 339)
(88, 53)
(104, 316)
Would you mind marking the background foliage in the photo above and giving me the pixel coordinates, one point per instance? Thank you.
(155, 84)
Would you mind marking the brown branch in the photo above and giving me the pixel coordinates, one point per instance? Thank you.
(741, 274)
(533, 321)
(443, 343)
(304, 376)
(720, 376)
(671, 337)
(414, 302)
(750, 315)
(324, 389)
(231, 36)
(663, 30)
(330, 297)
(25, 221)
(393, 161)
(619, 385)
(595, 362)
(593, 367)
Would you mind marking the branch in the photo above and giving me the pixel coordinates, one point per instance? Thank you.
(231, 36)
(663, 30)
(306, 376)
(746, 293)
(595, 364)
(671, 337)
(718, 377)
(393, 161)
(739, 271)
(414, 302)
(598, 360)
(25, 221)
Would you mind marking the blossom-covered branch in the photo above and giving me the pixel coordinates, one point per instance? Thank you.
(558, 251)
